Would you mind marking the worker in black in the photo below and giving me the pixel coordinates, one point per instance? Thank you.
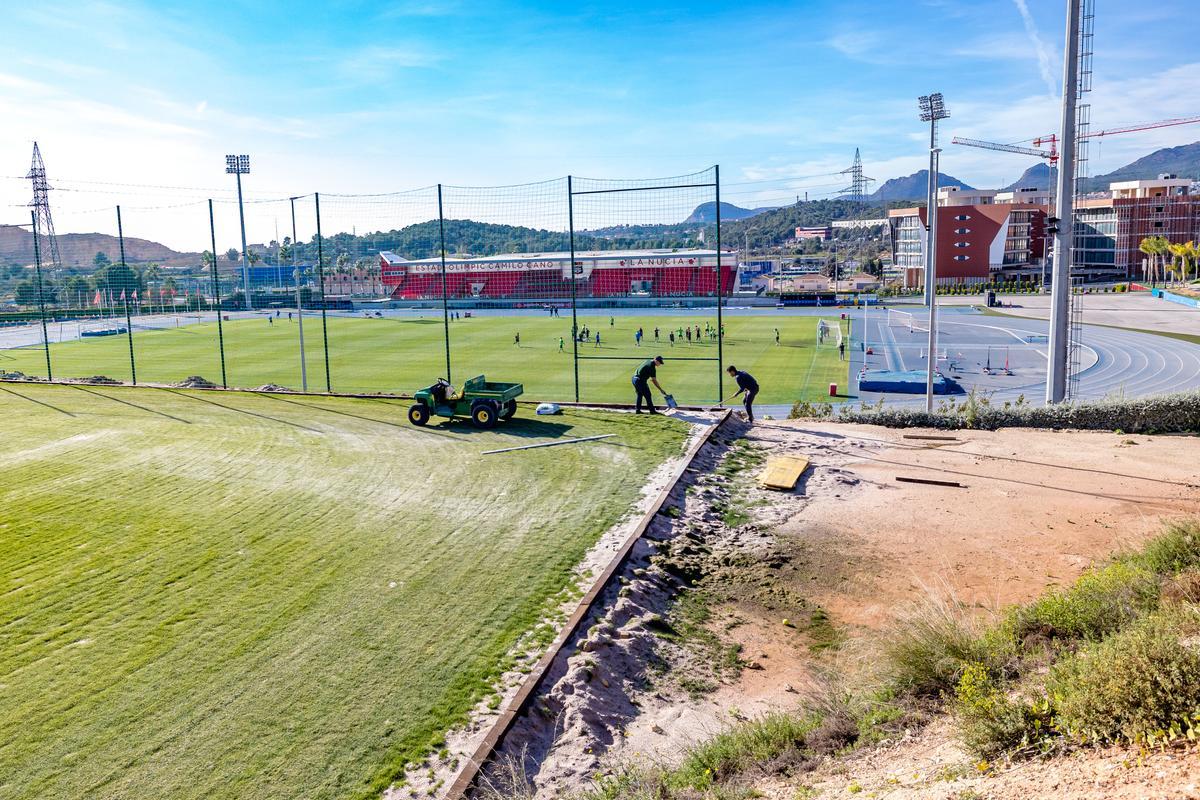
(746, 384)
(645, 375)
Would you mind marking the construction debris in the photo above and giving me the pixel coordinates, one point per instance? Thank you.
(782, 472)
(929, 481)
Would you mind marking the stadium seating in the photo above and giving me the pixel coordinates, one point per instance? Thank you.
(603, 282)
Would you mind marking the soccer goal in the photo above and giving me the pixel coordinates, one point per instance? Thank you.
(902, 319)
(905, 319)
(829, 333)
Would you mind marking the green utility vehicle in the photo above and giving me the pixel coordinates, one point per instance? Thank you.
(485, 402)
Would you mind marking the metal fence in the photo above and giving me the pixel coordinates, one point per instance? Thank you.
(564, 285)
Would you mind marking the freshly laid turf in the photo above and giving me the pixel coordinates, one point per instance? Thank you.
(401, 355)
(222, 595)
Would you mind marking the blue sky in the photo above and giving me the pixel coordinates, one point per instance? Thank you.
(379, 96)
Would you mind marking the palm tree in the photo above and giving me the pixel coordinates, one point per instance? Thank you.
(1178, 263)
(1189, 255)
(1149, 248)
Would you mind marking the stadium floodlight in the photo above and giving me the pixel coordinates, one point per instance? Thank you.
(933, 108)
(239, 166)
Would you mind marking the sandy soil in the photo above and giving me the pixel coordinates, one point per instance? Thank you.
(1033, 510)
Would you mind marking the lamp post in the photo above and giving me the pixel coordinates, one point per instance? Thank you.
(299, 301)
(933, 109)
(239, 166)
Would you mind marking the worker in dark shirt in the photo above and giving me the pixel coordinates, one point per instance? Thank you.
(746, 384)
(642, 378)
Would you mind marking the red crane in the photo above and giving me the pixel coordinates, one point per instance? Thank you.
(1052, 139)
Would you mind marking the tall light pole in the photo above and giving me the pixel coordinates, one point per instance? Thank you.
(932, 109)
(239, 166)
(299, 303)
(1062, 225)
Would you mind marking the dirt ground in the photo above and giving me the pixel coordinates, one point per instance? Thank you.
(848, 549)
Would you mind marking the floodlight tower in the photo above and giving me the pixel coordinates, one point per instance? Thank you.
(239, 166)
(933, 108)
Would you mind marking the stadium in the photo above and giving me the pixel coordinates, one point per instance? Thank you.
(608, 274)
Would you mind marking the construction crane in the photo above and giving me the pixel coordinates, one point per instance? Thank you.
(1052, 140)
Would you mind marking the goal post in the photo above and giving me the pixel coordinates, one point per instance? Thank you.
(829, 333)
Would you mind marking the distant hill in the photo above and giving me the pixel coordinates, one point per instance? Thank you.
(777, 225)
(912, 187)
(706, 212)
(78, 249)
(1039, 176)
(1183, 161)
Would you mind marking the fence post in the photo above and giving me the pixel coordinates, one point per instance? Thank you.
(212, 230)
(125, 294)
(574, 320)
(321, 277)
(445, 297)
(37, 260)
(720, 325)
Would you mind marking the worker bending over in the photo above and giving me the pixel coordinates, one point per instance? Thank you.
(645, 375)
(746, 384)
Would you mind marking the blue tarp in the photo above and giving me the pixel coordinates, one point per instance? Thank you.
(904, 382)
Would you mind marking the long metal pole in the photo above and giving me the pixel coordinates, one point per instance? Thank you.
(299, 303)
(212, 230)
(125, 294)
(720, 325)
(321, 278)
(1060, 287)
(245, 255)
(931, 211)
(445, 296)
(37, 262)
(571, 272)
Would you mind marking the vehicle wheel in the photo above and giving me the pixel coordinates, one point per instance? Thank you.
(418, 415)
(484, 415)
(510, 408)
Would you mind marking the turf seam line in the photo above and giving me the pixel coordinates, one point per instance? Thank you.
(465, 780)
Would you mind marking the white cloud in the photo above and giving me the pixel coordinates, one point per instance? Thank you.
(378, 62)
(1043, 54)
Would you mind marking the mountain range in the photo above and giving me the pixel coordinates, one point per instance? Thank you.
(78, 249)
(706, 212)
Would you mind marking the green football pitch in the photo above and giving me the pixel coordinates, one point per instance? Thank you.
(403, 354)
(225, 595)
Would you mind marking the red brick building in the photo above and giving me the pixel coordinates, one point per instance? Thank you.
(982, 236)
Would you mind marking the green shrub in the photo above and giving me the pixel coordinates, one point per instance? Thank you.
(990, 722)
(1139, 685)
(1099, 602)
(802, 409)
(930, 647)
(1178, 413)
(737, 749)
(1172, 552)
